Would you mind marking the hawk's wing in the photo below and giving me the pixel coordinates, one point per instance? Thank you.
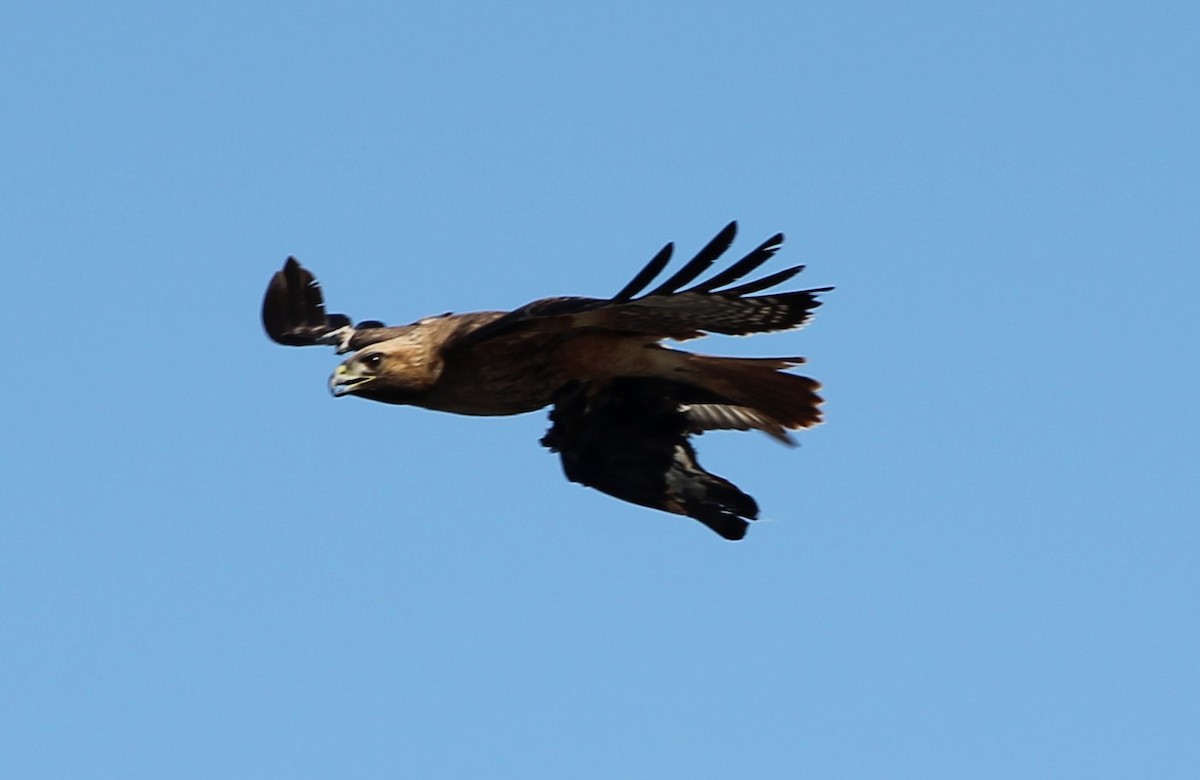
(670, 310)
(294, 309)
(293, 314)
(629, 438)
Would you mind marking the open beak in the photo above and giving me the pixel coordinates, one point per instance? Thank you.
(344, 380)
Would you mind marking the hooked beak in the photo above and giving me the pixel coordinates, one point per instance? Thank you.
(345, 380)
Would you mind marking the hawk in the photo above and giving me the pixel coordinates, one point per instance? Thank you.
(625, 406)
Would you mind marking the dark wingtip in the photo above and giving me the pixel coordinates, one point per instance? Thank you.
(274, 308)
(707, 255)
(724, 507)
(759, 255)
(293, 310)
(730, 528)
(647, 274)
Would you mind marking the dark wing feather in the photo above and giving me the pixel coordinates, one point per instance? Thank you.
(761, 254)
(700, 263)
(779, 277)
(629, 438)
(647, 274)
(293, 314)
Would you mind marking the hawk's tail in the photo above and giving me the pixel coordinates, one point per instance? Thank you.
(760, 385)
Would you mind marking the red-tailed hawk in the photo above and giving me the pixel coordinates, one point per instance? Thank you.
(625, 406)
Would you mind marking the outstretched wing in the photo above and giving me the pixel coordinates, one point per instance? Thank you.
(671, 310)
(293, 314)
(629, 438)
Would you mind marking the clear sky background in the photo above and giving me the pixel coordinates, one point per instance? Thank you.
(984, 565)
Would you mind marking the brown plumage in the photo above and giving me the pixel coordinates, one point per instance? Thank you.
(624, 404)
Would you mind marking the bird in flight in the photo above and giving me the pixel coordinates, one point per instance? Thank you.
(624, 405)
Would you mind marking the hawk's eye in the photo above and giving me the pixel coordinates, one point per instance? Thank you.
(373, 360)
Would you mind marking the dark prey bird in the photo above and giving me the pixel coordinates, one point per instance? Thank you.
(625, 406)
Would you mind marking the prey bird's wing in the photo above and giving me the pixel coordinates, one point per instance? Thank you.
(629, 438)
(730, 417)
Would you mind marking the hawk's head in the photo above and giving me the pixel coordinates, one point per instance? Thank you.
(397, 371)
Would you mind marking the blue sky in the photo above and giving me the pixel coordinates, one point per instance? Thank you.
(984, 564)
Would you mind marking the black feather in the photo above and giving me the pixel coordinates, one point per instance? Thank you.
(700, 263)
(761, 254)
(647, 274)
